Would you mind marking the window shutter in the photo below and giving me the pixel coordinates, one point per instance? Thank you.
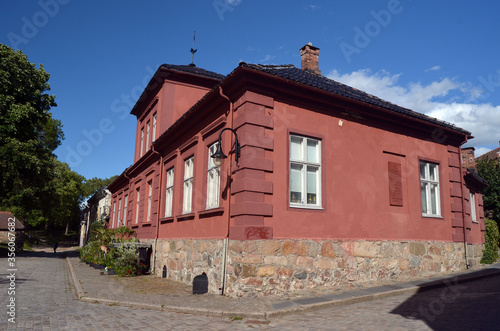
(395, 184)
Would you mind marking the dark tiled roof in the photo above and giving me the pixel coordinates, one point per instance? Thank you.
(493, 155)
(194, 70)
(4, 221)
(312, 79)
(472, 174)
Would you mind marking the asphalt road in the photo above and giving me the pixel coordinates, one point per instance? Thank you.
(45, 300)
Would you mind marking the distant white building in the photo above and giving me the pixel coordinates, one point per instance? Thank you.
(98, 209)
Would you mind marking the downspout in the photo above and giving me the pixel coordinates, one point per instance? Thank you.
(158, 207)
(463, 205)
(226, 239)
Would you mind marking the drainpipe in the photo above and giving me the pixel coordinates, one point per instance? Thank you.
(463, 205)
(226, 239)
(158, 207)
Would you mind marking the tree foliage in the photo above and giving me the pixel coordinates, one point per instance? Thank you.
(94, 185)
(489, 170)
(492, 236)
(28, 136)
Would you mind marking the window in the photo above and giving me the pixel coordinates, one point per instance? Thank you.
(147, 135)
(188, 185)
(138, 195)
(472, 201)
(429, 189)
(142, 141)
(169, 194)
(114, 215)
(119, 210)
(305, 172)
(125, 204)
(150, 198)
(213, 179)
(154, 128)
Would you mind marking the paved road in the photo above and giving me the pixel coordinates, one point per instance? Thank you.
(45, 300)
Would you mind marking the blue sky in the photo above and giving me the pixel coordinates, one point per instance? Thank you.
(435, 57)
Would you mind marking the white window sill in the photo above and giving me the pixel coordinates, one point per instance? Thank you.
(432, 216)
(306, 207)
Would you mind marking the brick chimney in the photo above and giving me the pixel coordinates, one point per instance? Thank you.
(468, 160)
(309, 58)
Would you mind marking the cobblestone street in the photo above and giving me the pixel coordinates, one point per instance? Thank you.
(46, 300)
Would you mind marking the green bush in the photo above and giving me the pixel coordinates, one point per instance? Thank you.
(492, 237)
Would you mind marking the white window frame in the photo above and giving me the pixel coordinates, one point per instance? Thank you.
(114, 215)
(427, 183)
(472, 200)
(147, 135)
(119, 210)
(150, 199)
(142, 141)
(138, 201)
(187, 201)
(169, 192)
(125, 205)
(154, 128)
(213, 179)
(304, 164)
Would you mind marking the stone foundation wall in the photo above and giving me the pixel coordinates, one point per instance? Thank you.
(266, 267)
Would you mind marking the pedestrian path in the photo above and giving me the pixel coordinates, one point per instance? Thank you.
(92, 286)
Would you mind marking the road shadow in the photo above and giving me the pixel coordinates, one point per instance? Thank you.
(465, 302)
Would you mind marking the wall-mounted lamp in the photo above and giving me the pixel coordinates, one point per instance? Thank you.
(219, 155)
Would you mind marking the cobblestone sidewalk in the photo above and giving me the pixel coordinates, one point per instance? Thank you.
(152, 292)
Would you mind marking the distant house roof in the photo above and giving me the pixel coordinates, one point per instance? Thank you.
(307, 77)
(5, 218)
(194, 70)
(493, 155)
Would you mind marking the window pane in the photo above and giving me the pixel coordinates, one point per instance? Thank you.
(312, 151)
(312, 179)
(295, 183)
(433, 169)
(423, 193)
(296, 148)
(422, 170)
(434, 199)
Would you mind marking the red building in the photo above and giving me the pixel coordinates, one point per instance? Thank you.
(332, 186)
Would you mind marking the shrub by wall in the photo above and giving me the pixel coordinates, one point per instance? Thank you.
(492, 237)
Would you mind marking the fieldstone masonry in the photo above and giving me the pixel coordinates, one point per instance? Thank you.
(266, 267)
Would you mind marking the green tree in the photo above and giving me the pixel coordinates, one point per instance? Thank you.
(489, 170)
(28, 137)
(68, 188)
(94, 185)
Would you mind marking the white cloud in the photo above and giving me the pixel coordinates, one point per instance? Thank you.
(435, 68)
(267, 58)
(481, 150)
(480, 119)
(314, 7)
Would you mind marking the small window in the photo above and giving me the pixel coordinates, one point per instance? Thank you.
(305, 172)
(114, 215)
(429, 189)
(138, 197)
(213, 179)
(147, 136)
(472, 201)
(142, 142)
(119, 212)
(150, 199)
(169, 194)
(125, 204)
(154, 128)
(188, 186)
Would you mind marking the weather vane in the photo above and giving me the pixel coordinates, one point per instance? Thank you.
(193, 50)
